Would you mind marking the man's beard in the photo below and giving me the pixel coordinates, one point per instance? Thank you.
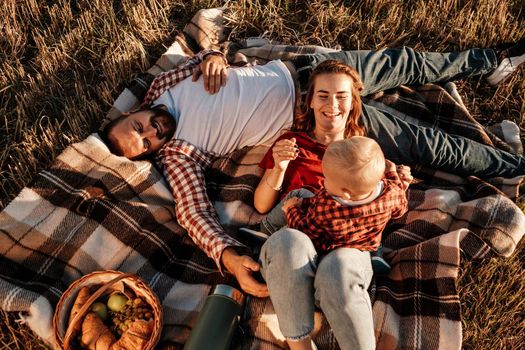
(168, 126)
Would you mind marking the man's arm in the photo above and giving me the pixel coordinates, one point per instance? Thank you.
(165, 80)
(242, 267)
(214, 70)
(184, 168)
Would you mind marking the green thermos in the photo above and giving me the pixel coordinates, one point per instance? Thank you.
(217, 320)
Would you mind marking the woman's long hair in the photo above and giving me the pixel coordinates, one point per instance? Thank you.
(305, 119)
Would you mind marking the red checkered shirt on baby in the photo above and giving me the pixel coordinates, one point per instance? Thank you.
(184, 166)
(331, 225)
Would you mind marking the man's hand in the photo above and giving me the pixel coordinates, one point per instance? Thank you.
(242, 267)
(291, 202)
(214, 70)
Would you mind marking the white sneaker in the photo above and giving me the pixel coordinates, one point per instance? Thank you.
(255, 41)
(510, 56)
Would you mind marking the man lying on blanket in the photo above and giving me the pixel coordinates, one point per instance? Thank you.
(201, 124)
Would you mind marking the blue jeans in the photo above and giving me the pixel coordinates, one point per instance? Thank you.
(407, 143)
(338, 284)
(276, 219)
(388, 68)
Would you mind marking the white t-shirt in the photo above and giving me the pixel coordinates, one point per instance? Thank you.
(255, 104)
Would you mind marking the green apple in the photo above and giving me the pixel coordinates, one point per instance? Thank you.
(100, 309)
(117, 301)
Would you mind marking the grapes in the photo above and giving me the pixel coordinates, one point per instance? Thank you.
(134, 309)
(119, 311)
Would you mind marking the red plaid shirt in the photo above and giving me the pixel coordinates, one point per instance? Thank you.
(184, 167)
(331, 225)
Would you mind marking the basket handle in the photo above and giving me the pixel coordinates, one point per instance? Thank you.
(83, 310)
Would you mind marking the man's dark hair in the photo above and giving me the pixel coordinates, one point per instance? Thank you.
(114, 147)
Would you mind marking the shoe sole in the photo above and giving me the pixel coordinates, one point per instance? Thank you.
(257, 234)
(505, 69)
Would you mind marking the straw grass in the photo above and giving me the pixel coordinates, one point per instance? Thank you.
(63, 62)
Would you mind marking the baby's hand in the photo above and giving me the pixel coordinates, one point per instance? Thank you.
(291, 202)
(405, 175)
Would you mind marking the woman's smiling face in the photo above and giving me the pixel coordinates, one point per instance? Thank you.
(331, 101)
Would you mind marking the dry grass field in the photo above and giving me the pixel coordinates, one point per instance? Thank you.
(63, 62)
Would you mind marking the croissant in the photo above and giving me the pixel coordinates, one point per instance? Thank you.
(82, 296)
(135, 337)
(95, 334)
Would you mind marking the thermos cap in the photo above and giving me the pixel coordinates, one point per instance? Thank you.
(230, 292)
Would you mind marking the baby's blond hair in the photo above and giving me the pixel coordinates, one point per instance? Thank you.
(358, 160)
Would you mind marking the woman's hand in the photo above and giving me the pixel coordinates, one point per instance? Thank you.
(268, 190)
(283, 152)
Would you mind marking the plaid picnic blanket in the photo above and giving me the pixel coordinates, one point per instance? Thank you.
(93, 211)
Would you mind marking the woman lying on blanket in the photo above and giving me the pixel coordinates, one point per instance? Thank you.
(258, 101)
(322, 256)
(294, 161)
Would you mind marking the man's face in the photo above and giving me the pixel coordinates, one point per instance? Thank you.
(141, 133)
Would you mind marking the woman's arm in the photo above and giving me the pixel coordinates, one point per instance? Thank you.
(269, 189)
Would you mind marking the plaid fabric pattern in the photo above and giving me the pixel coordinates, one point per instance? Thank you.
(332, 225)
(93, 211)
(184, 168)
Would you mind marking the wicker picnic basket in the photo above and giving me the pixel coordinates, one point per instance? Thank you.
(101, 282)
